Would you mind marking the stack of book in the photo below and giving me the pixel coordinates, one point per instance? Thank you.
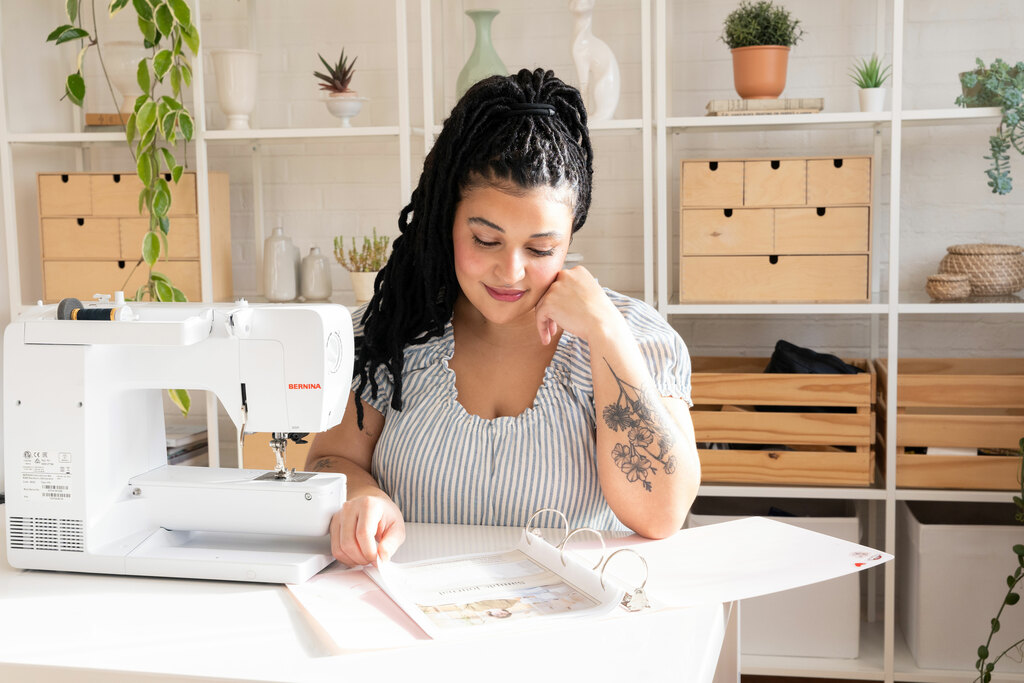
(187, 446)
(799, 105)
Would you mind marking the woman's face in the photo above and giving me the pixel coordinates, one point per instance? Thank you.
(509, 248)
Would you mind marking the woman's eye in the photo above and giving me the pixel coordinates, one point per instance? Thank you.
(539, 252)
(480, 242)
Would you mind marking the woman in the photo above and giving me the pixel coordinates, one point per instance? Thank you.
(490, 382)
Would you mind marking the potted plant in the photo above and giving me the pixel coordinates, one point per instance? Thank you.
(870, 77)
(155, 122)
(760, 35)
(363, 263)
(998, 85)
(342, 101)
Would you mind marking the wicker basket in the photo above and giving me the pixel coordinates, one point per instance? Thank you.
(948, 286)
(993, 269)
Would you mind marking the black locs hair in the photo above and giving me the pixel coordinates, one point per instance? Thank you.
(528, 130)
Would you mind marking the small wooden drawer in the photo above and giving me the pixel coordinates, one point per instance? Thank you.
(82, 279)
(832, 230)
(774, 278)
(712, 183)
(80, 238)
(182, 240)
(838, 181)
(67, 194)
(117, 194)
(726, 231)
(775, 182)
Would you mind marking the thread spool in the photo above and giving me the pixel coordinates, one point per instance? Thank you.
(72, 309)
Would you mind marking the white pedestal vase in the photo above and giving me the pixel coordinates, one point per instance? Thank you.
(344, 106)
(236, 72)
(122, 61)
(872, 99)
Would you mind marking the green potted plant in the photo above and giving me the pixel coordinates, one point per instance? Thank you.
(363, 263)
(870, 76)
(760, 35)
(998, 85)
(986, 662)
(342, 101)
(155, 124)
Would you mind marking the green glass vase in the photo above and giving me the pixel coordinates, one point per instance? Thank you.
(483, 61)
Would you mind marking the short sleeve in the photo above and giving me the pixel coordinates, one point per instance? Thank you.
(663, 349)
(382, 402)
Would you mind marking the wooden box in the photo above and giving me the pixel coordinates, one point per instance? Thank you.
(775, 230)
(956, 403)
(91, 236)
(821, 448)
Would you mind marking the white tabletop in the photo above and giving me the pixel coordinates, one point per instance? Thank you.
(57, 626)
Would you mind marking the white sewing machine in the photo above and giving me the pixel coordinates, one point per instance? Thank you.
(88, 484)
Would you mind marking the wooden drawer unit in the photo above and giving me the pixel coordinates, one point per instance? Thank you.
(775, 230)
(91, 235)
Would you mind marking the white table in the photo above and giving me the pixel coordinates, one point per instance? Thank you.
(57, 626)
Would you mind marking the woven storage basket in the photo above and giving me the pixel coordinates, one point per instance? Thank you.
(993, 269)
(948, 286)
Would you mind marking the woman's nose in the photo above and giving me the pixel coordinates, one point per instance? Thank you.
(511, 267)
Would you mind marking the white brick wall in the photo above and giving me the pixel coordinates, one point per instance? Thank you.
(317, 190)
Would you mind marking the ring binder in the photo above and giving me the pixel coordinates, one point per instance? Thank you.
(565, 541)
(536, 532)
(637, 600)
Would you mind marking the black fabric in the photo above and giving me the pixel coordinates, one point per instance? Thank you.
(790, 358)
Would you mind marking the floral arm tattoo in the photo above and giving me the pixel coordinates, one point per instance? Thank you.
(647, 443)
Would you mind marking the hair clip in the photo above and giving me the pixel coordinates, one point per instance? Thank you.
(536, 532)
(572, 533)
(526, 109)
(637, 600)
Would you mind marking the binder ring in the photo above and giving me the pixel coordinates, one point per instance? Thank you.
(647, 571)
(530, 532)
(572, 533)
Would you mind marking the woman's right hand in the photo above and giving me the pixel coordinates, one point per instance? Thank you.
(366, 529)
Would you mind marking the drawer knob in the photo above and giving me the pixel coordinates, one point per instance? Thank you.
(821, 210)
(775, 164)
(713, 165)
(727, 213)
(120, 264)
(773, 259)
(838, 163)
(117, 177)
(64, 177)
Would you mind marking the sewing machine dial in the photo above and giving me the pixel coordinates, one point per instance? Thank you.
(334, 349)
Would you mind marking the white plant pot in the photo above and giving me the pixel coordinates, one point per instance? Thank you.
(236, 72)
(345, 107)
(121, 58)
(362, 286)
(872, 99)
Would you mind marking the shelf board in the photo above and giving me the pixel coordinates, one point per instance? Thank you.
(776, 309)
(790, 491)
(956, 495)
(51, 138)
(866, 667)
(953, 115)
(302, 133)
(918, 302)
(764, 122)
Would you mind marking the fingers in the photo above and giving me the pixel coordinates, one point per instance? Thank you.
(366, 529)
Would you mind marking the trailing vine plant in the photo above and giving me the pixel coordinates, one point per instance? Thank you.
(986, 663)
(155, 125)
(998, 85)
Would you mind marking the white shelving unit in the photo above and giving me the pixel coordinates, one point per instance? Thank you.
(884, 656)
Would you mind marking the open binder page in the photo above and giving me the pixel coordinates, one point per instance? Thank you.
(471, 594)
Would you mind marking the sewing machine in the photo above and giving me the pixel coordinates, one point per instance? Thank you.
(88, 484)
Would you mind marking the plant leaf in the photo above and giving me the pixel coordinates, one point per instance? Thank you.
(144, 166)
(150, 248)
(185, 123)
(179, 296)
(181, 12)
(142, 75)
(169, 160)
(164, 292)
(56, 33)
(116, 6)
(148, 29)
(146, 118)
(72, 33)
(181, 398)
(172, 103)
(143, 9)
(164, 19)
(1012, 599)
(72, 8)
(176, 173)
(161, 63)
(81, 56)
(165, 227)
(130, 129)
(155, 276)
(186, 75)
(161, 198)
(176, 80)
(191, 36)
(1018, 549)
(76, 88)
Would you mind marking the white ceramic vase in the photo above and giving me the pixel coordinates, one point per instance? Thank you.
(121, 58)
(236, 72)
(316, 276)
(279, 272)
(872, 99)
(596, 66)
(344, 106)
(362, 286)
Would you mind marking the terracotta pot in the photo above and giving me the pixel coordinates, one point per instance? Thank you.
(759, 71)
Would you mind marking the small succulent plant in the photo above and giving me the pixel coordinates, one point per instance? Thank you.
(338, 76)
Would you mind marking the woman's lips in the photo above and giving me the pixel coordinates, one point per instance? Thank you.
(505, 294)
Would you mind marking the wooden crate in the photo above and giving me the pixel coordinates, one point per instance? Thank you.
(822, 448)
(956, 403)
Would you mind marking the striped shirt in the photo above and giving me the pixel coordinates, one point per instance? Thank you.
(441, 464)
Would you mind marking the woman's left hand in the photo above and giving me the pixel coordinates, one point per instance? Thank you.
(576, 303)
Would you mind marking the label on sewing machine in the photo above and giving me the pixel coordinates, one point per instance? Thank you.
(46, 475)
